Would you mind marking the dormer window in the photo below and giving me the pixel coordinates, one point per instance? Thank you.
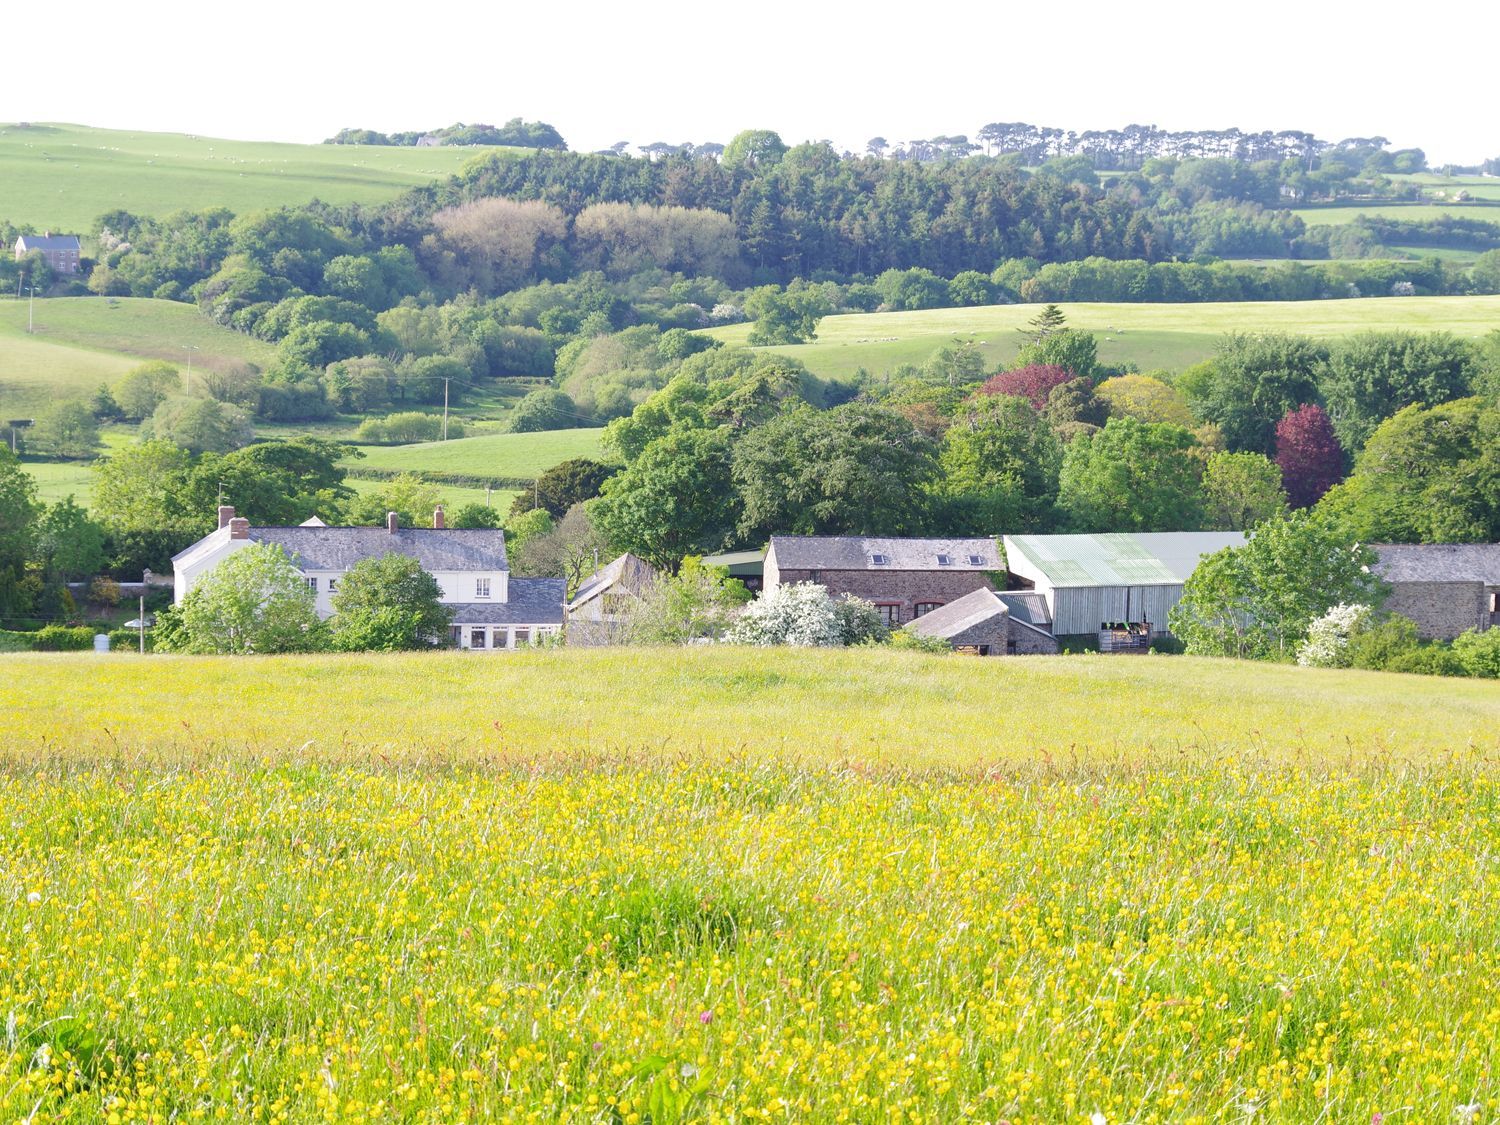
(481, 587)
(880, 560)
(945, 560)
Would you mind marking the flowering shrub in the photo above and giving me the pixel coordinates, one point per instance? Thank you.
(1327, 644)
(802, 614)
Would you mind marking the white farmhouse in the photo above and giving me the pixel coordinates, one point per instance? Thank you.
(491, 610)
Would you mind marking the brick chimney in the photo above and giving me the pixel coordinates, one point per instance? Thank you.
(226, 513)
(392, 522)
(437, 519)
(239, 528)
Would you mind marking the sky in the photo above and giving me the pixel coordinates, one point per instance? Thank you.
(844, 72)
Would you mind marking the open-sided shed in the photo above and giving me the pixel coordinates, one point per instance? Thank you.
(1090, 580)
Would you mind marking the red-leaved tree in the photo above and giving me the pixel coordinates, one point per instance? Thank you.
(1310, 457)
(1033, 382)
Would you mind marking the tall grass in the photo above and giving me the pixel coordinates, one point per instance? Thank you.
(745, 886)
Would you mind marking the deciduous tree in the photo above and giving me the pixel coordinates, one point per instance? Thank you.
(1242, 490)
(1132, 476)
(1308, 454)
(1257, 601)
(388, 604)
(254, 601)
(858, 468)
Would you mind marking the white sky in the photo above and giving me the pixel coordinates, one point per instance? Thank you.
(675, 71)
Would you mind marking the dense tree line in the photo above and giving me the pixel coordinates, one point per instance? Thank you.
(516, 132)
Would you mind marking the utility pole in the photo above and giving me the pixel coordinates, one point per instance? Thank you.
(30, 309)
(445, 408)
(140, 617)
(190, 349)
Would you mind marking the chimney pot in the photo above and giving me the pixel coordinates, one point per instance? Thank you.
(392, 522)
(239, 528)
(226, 513)
(438, 519)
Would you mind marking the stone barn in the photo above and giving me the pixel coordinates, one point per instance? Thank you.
(905, 578)
(983, 624)
(1446, 588)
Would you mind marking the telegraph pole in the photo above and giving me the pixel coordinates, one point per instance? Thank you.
(190, 349)
(445, 408)
(141, 616)
(30, 309)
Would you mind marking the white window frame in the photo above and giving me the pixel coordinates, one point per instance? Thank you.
(481, 588)
(312, 582)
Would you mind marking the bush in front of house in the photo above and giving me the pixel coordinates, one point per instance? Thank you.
(916, 642)
(1479, 652)
(62, 638)
(1428, 660)
(1328, 637)
(802, 615)
(16, 641)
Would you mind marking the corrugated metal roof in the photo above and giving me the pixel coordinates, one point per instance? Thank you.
(1145, 559)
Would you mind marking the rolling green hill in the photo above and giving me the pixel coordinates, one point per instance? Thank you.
(515, 456)
(1487, 211)
(79, 342)
(1148, 335)
(63, 177)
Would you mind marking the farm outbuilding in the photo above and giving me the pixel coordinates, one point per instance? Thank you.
(1090, 581)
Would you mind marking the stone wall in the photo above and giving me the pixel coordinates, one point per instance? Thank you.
(1442, 610)
(904, 588)
(1031, 642)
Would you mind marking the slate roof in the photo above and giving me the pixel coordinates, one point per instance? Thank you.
(1144, 559)
(30, 242)
(958, 615)
(436, 549)
(1438, 562)
(633, 573)
(532, 601)
(855, 552)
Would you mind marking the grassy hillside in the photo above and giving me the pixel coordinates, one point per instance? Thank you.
(1151, 336)
(63, 177)
(520, 456)
(813, 707)
(692, 885)
(1485, 211)
(79, 342)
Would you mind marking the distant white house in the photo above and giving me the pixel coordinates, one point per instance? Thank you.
(491, 610)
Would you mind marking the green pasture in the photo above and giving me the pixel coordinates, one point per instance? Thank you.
(1337, 216)
(1149, 335)
(63, 177)
(1480, 187)
(491, 455)
(76, 343)
(451, 495)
